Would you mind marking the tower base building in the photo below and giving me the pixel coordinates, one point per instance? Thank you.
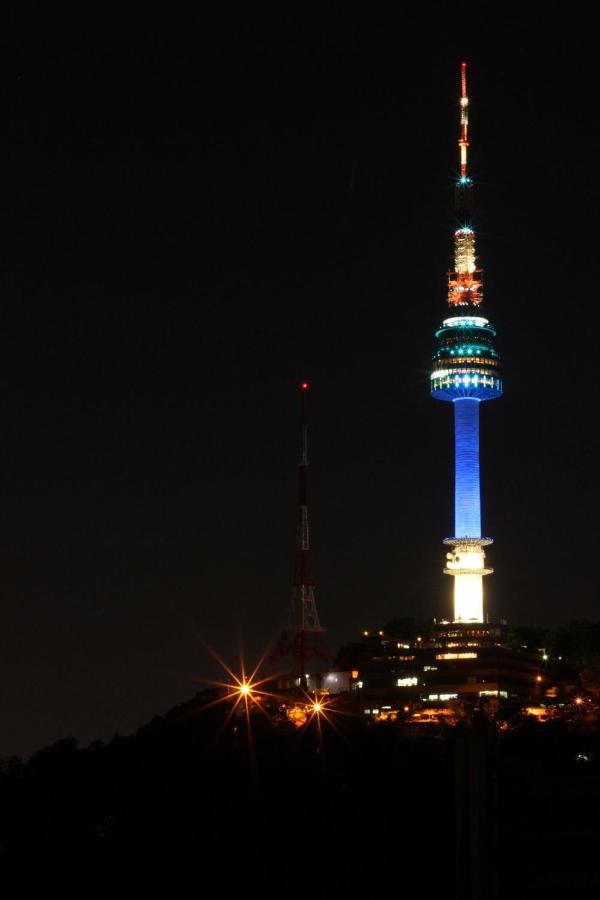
(469, 662)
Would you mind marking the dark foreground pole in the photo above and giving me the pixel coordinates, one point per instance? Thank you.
(475, 814)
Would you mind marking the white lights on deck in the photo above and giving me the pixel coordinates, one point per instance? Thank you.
(465, 322)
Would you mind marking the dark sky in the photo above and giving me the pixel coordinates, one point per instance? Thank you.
(197, 212)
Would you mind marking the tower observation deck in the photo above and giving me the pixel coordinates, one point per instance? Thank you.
(466, 371)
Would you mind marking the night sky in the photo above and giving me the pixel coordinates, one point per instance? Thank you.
(196, 214)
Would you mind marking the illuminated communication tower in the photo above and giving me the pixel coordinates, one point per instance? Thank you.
(466, 372)
(302, 644)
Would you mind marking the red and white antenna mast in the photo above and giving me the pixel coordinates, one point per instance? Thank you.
(463, 141)
(301, 651)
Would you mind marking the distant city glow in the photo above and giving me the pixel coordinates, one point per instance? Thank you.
(539, 712)
(442, 697)
(466, 655)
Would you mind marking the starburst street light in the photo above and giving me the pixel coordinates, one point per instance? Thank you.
(315, 708)
(318, 706)
(246, 690)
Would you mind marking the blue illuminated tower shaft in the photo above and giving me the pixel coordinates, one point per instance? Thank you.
(467, 495)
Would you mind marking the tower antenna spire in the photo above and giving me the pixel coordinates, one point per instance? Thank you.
(302, 578)
(463, 141)
(463, 191)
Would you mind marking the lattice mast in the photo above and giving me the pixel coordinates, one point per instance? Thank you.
(304, 615)
(301, 650)
(466, 372)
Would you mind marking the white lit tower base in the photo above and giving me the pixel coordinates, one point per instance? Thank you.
(466, 563)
